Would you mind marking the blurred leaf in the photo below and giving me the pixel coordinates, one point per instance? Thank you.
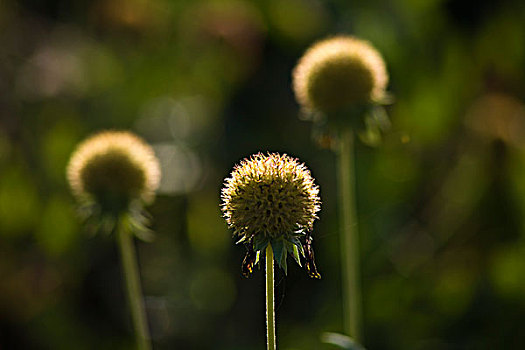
(340, 340)
(58, 228)
(19, 203)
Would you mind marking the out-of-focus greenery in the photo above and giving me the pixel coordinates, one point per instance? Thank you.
(441, 200)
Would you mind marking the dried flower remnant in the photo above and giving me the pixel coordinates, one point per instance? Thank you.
(272, 199)
(338, 72)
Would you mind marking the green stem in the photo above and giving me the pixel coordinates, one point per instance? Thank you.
(131, 275)
(349, 236)
(270, 302)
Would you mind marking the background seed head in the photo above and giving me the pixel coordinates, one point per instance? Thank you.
(114, 167)
(338, 72)
(272, 195)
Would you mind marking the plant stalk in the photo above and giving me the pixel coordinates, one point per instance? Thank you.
(270, 299)
(132, 279)
(349, 236)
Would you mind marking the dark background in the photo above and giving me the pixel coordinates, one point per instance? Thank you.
(441, 201)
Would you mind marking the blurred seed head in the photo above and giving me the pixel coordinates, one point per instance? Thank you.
(338, 72)
(114, 168)
(272, 195)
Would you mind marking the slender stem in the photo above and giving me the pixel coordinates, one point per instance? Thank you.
(270, 302)
(136, 303)
(349, 236)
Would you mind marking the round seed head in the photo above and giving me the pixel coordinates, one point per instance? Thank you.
(113, 168)
(272, 195)
(338, 72)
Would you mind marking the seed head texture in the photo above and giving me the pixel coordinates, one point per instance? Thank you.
(272, 195)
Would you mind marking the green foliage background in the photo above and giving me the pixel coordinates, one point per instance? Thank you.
(441, 200)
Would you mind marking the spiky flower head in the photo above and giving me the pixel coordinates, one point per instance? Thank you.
(271, 199)
(338, 72)
(114, 168)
